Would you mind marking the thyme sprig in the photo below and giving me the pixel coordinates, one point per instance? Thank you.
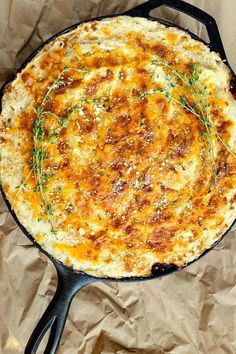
(22, 185)
(39, 153)
(200, 106)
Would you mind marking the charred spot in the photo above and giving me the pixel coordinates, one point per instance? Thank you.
(52, 61)
(117, 222)
(181, 149)
(124, 119)
(65, 164)
(95, 182)
(91, 89)
(97, 62)
(109, 74)
(214, 202)
(161, 104)
(63, 147)
(141, 201)
(119, 165)
(27, 79)
(89, 253)
(158, 217)
(222, 128)
(48, 106)
(85, 126)
(135, 92)
(108, 60)
(197, 202)
(166, 189)
(129, 229)
(118, 101)
(98, 239)
(145, 180)
(159, 245)
(233, 199)
(93, 86)
(163, 268)
(141, 71)
(183, 39)
(178, 144)
(147, 188)
(71, 177)
(215, 112)
(222, 169)
(9, 88)
(63, 132)
(143, 86)
(5, 125)
(62, 88)
(160, 50)
(109, 108)
(161, 239)
(111, 139)
(77, 184)
(172, 168)
(94, 25)
(140, 43)
(2, 140)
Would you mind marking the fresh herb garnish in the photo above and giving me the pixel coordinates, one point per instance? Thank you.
(143, 95)
(39, 133)
(197, 104)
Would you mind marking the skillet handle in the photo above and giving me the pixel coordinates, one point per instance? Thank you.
(55, 315)
(215, 44)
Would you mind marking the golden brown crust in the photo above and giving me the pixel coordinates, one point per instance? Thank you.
(133, 171)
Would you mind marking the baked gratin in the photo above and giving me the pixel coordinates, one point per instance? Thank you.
(118, 147)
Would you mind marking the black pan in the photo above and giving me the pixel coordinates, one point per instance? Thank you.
(69, 281)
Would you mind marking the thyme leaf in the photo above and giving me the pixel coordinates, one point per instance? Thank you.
(197, 105)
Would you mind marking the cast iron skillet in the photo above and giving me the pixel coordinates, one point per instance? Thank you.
(69, 281)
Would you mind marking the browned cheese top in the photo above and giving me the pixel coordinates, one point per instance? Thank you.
(118, 147)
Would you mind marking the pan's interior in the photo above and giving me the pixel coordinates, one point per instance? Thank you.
(157, 269)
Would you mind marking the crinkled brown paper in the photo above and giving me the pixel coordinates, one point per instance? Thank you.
(190, 312)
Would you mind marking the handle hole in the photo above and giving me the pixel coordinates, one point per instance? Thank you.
(39, 345)
(178, 18)
(44, 342)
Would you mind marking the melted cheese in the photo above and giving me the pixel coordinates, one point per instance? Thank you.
(129, 178)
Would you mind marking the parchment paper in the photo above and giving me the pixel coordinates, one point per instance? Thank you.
(189, 312)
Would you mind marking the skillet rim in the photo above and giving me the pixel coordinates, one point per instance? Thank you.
(166, 268)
